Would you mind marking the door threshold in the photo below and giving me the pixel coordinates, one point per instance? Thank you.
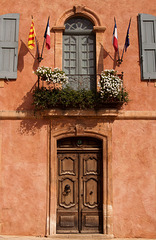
(82, 236)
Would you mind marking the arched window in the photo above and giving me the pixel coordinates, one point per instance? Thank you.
(79, 53)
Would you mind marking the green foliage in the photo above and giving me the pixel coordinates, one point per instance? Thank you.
(68, 98)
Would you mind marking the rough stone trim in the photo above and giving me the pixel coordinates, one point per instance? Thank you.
(105, 113)
(81, 11)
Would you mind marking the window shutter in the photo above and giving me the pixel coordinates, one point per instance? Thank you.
(9, 28)
(147, 41)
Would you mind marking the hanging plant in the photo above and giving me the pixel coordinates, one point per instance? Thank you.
(51, 76)
(111, 87)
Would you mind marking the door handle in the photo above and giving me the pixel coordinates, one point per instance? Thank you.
(81, 194)
(66, 190)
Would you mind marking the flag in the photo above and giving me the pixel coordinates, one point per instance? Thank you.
(127, 42)
(115, 38)
(32, 34)
(47, 35)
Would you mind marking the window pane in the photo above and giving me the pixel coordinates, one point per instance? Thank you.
(66, 69)
(84, 63)
(66, 63)
(72, 70)
(73, 48)
(91, 71)
(66, 55)
(91, 55)
(91, 47)
(91, 63)
(84, 55)
(84, 47)
(66, 47)
(73, 55)
(90, 40)
(84, 70)
(72, 63)
(78, 23)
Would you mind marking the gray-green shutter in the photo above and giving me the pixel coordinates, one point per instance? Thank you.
(147, 41)
(9, 28)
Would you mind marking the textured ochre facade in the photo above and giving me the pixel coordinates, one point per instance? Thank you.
(28, 139)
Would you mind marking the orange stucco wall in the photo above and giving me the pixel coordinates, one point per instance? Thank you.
(24, 143)
(23, 178)
(134, 191)
(141, 93)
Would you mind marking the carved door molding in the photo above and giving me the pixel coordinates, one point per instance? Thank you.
(79, 206)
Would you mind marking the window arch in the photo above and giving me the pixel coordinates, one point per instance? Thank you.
(79, 58)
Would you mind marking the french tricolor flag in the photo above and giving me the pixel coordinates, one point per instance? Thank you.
(47, 35)
(115, 38)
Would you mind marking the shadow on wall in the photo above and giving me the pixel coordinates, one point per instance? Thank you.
(23, 52)
(30, 127)
(104, 54)
(33, 124)
(27, 100)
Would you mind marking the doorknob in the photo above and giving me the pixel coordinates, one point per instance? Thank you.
(81, 194)
(66, 189)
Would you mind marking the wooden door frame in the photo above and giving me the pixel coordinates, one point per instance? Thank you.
(105, 136)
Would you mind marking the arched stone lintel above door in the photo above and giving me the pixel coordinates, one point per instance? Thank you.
(102, 132)
(98, 29)
(79, 10)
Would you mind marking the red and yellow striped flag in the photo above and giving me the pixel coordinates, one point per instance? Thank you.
(32, 34)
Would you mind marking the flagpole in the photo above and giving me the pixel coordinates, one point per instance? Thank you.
(44, 41)
(42, 49)
(122, 53)
(118, 56)
(37, 48)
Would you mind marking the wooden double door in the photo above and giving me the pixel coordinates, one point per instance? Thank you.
(79, 208)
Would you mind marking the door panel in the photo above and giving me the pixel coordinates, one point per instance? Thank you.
(67, 210)
(91, 193)
(79, 208)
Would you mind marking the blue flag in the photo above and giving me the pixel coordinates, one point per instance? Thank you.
(127, 42)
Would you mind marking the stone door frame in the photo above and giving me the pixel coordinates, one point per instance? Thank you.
(103, 134)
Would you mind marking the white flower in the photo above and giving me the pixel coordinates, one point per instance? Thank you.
(110, 84)
(55, 76)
